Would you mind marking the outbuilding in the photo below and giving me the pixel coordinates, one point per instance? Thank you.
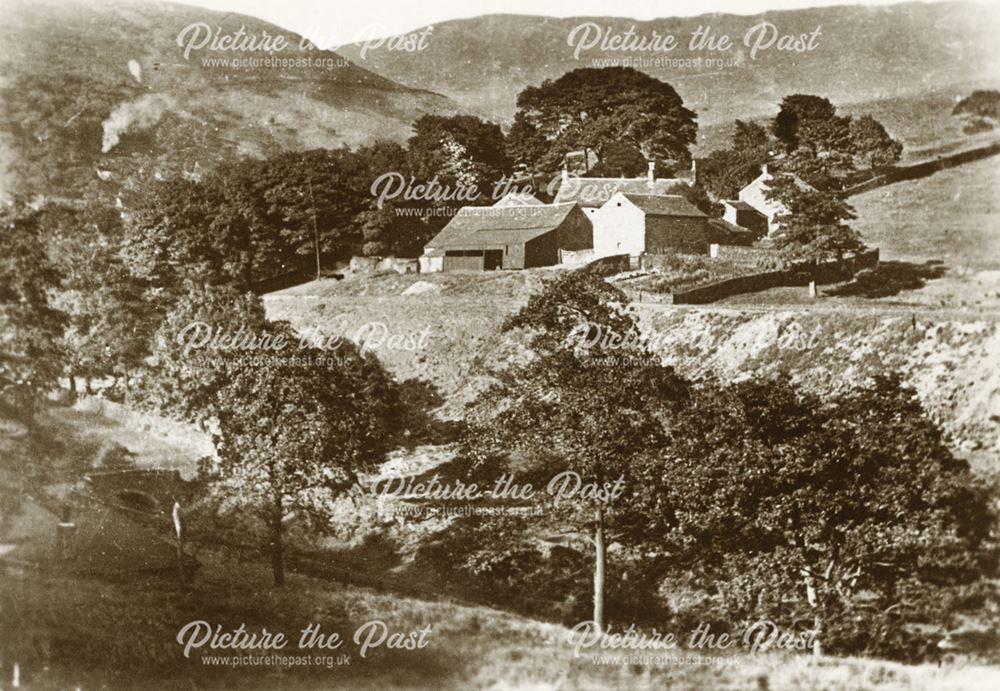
(636, 224)
(510, 237)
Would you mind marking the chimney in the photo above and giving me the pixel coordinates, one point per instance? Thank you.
(64, 533)
(763, 170)
(694, 170)
(652, 171)
(565, 174)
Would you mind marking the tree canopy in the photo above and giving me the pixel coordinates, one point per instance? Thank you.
(596, 107)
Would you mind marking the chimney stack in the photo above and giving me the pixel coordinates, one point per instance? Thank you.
(652, 171)
(565, 174)
(763, 170)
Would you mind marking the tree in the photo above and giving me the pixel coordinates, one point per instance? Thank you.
(397, 226)
(620, 160)
(165, 239)
(295, 427)
(724, 172)
(112, 314)
(872, 145)
(187, 369)
(749, 136)
(31, 348)
(572, 411)
(846, 511)
(593, 108)
(459, 150)
(983, 103)
(813, 225)
(313, 197)
(800, 110)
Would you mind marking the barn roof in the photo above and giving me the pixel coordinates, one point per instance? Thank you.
(664, 205)
(519, 199)
(591, 192)
(486, 227)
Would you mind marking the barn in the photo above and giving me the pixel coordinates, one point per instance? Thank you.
(509, 237)
(637, 224)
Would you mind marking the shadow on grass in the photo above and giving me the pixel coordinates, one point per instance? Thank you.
(890, 278)
(420, 399)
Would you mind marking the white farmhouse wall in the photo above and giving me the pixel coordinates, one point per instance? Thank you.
(619, 228)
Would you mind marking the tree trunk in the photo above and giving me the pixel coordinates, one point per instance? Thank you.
(599, 568)
(277, 545)
(72, 387)
(818, 628)
(813, 598)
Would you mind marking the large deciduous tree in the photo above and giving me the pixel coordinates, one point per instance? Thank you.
(814, 224)
(588, 403)
(295, 427)
(459, 150)
(848, 513)
(592, 108)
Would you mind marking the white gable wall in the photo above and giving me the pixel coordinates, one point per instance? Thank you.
(619, 228)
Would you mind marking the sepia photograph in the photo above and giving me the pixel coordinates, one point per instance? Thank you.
(482, 345)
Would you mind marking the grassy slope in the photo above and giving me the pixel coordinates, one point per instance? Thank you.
(96, 634)
(951, 215)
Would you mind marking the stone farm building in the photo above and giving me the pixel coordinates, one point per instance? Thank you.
(755, 196)
(508, 237)
(636, 224)
(745, 216)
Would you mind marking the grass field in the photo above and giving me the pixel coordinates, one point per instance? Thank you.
(950, 216)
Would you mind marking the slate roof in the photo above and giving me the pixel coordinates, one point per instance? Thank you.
(665, 205)
(519, 199)
(490, 227)
(591, 192)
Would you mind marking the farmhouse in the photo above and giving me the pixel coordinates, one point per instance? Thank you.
(635, 224)
(508, 237)
(754, 195)
(592, 193)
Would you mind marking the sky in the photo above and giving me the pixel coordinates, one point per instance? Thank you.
(329, 23)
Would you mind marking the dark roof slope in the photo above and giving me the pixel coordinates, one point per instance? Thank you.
(490, 227)
(665, 205)
(591, 192)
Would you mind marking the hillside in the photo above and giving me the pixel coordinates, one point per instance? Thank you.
(947, 357)
(105, 87)
(888, 217)
(862, 54)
